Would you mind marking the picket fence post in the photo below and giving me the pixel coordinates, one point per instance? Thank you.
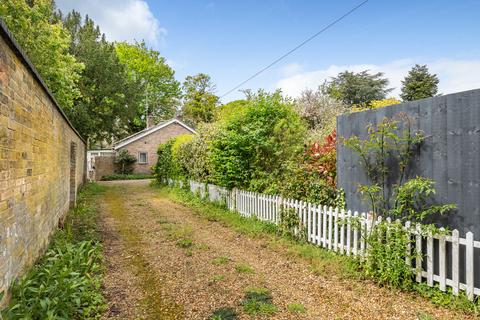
(455, 262)
(418, 253)
(349, 232)
(469, 265)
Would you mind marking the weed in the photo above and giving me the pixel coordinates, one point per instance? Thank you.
(220, 260)
(202, 246)
(162, 221)
(185, 243)
(296, 308)
(258, 301)
(224, 314)
(244, 268)
(424, 316)
(217, 278)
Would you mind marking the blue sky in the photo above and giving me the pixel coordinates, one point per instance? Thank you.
(231, 40)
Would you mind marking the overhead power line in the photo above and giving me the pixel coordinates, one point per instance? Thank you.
(331, 24)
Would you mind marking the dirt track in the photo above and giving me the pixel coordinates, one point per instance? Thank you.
(165, 262)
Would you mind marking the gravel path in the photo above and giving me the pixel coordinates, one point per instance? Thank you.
(166, 262)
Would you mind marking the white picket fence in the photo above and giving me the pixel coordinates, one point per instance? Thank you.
(344, 232)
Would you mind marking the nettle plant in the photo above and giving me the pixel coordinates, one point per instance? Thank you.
(386, 156)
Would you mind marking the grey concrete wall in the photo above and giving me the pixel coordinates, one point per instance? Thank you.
(450, 154)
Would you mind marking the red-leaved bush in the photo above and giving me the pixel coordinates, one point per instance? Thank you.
(321, 158)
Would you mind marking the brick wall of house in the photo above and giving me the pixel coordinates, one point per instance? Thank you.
(42, 163)
(150, 145)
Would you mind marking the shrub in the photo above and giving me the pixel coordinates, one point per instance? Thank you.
(124, 162)
(319, 110)
(253, 146)
(313, 177)
(163, 169)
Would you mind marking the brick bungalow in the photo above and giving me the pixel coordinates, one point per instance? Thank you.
(144, 144)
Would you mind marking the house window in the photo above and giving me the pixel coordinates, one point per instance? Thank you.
(142, 158)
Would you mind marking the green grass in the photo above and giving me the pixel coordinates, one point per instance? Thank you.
(258, 301)
(66, 281)
(220, 260)
(296, 308)
(244, 268)
(218, 278)
(132, 176)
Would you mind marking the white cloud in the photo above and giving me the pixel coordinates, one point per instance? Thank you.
(454, 75)
(291, 69)
(120, 20)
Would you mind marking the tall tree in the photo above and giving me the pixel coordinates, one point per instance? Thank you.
(419, 84)
(161, 92)
(109, 97)
(46, 42)
(199, 99)
(358, 89)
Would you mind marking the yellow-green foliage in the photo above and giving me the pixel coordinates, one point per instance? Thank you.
(375, 104)
(228, 110)
(177, 144)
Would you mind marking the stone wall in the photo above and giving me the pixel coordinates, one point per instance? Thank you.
(150, 143)
(42, 162)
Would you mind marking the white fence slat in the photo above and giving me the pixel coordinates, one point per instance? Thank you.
(469, 265)
(318, 214)
(363, 235)
(442, 265)
(342, 231)
(349, 232)
(355, 234)
(455, 262)
(309, 223)
(408, 251)
(335, 230)
(324, 233)
(418, 253)
(330, 227)
(430, 260)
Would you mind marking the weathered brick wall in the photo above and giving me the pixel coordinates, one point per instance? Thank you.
(103, 165)
(150, 145)
(37, 149)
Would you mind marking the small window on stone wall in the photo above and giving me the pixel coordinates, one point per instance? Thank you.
(142, 158)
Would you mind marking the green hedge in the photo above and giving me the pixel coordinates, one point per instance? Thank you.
(133, 176)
